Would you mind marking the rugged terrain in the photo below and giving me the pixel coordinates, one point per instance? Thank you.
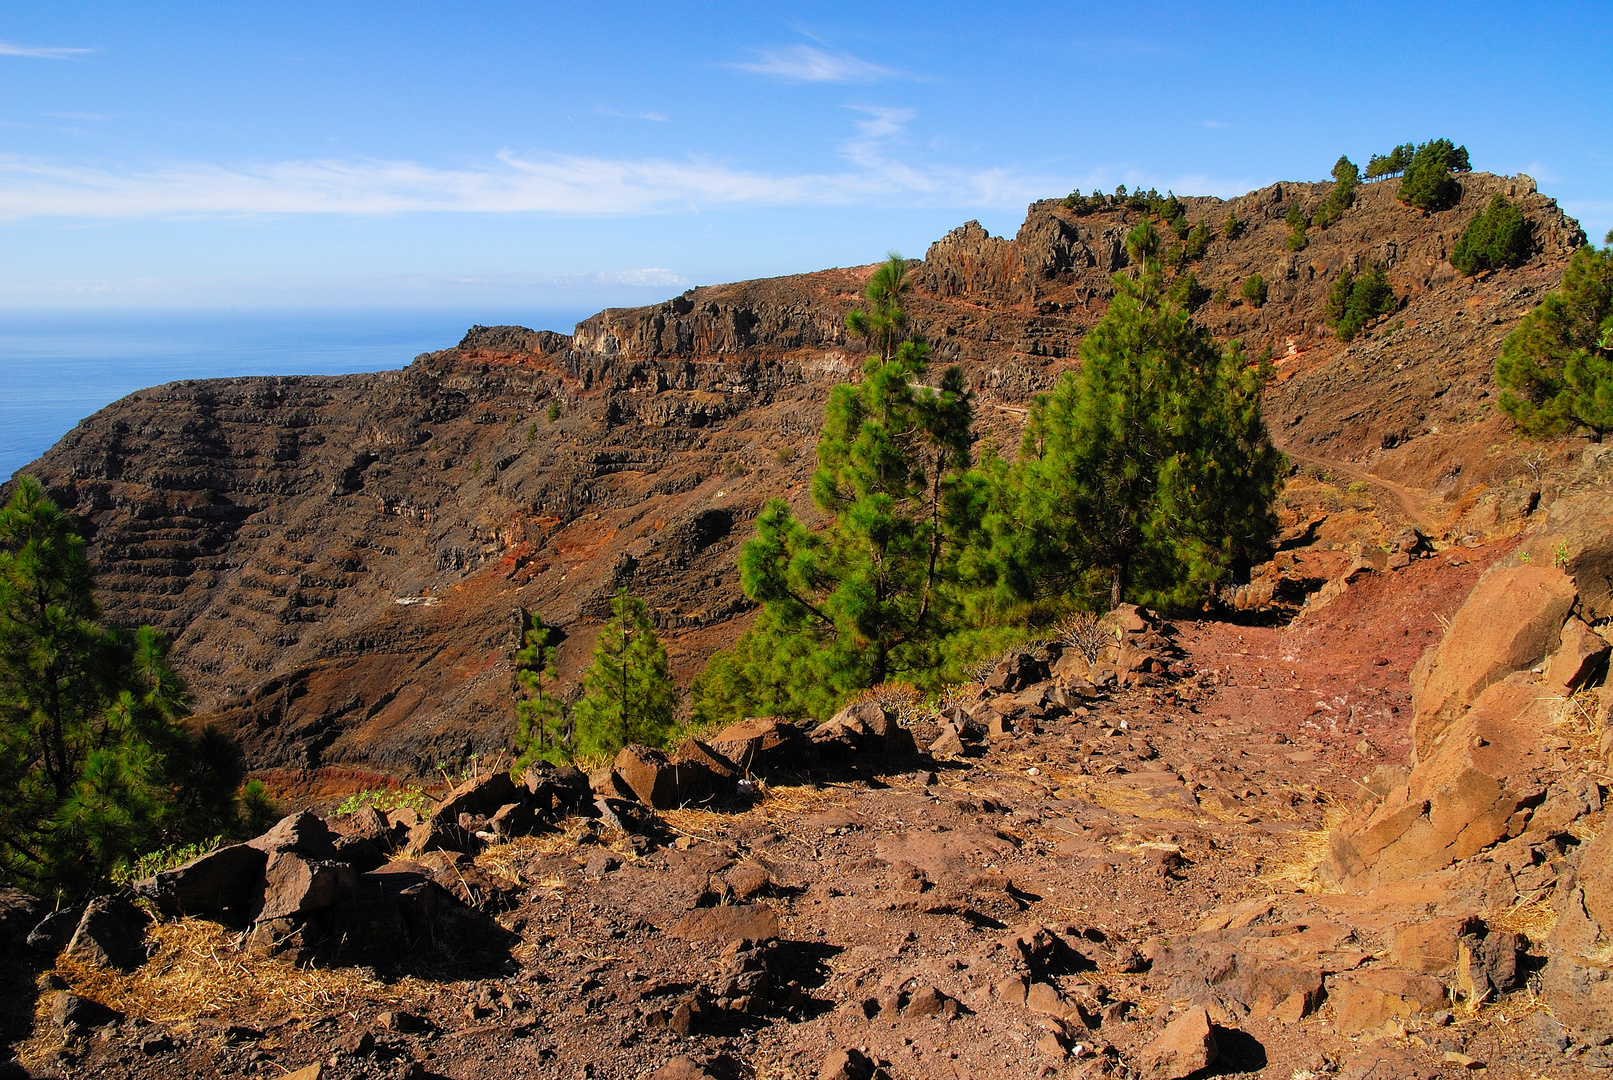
(338, 560)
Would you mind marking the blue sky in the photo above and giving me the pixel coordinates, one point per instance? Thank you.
(192, 155)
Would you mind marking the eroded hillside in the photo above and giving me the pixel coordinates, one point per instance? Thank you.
(338, 560)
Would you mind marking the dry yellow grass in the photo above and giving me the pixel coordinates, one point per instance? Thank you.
(197, 972)
(1531, 916)
(1304, 853)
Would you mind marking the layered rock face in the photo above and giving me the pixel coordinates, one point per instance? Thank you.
(339, 560)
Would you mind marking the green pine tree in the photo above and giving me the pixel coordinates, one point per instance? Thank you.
(1353, 302)
(1554, 368)
(540, 725)
(1428, 183)
(1346, 178)
(1149, 470)
(1255, 291)
(867, 598)
(1498, 236)
(1297, 223)
(95, 759)
(627, 695)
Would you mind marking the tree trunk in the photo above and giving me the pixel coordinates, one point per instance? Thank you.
(1117, 586)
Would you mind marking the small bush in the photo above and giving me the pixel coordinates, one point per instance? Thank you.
(1254, 291)
(786, 453)
(554, 411)
(1297, 223)
(1187, 293)
(1087, 634)
(1355, 301)
(155, 862)
(531, 433)
(1231, 228)
(1197, 241)
(384, 799)
(1220, 297)
(1498, 236)
(1082, 205)
(1428, 183)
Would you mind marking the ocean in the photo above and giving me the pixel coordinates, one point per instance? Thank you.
(59, 367)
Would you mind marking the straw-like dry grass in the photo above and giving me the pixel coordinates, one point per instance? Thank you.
(197, 972)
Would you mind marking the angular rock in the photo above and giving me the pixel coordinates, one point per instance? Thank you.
(111, 933)
(513, 819)
(658, 781)
(54, 931)
(71, 1011)
(360, 852)
(682, 1068)
(1367, 999)
(1510, 622)
(736, 922)
(440, 835)
(1580, 658)
(221, 882)
(749, 880)
(1467, 792)
(552, 789)
(1185, 1046)
(391, 909)
(846, 1064)
(295, 885)
(304, 832)
(20, 912)
(479, 796)
(863, 729)
(949, 743)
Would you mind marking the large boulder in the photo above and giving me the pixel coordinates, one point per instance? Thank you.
(294, 885)
(1365, 1000)
(557, 790)
(863, 729)
(221, 882)
(479, 797)
(1474, 787)
(111, 933)
(391, 909)
(20, 912)
(760, 745)
(651, 776)
(1186, 1046)
(1578, 979)
(304, 832)
(1579, 536)
(1510, 622)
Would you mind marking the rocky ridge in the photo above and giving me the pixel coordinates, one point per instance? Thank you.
(338, 560)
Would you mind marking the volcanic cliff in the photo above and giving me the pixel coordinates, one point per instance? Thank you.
(339, 560)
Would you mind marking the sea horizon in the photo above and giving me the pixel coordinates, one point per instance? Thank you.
(61, 367)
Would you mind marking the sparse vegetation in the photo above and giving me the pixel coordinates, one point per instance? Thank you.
(97, 765)
(1346, 178)
(1428, 183)
(1187, 293)
(1254, 291)
(1391, 164)
(1498, 236)
(405, 797)
(554, 411)
(1197, 241)
(1231, 228)
(1353, 302)
(1556, 367)
(541, 733)
(1297, 224)
(628, 696)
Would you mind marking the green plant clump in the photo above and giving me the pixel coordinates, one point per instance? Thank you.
(96, 763)
(628, 697)
(1255, 291)
(1231, 228)
(1346, 178)
(1187, 293)
(1353, 302)
(1428, 183)
(406, 797)
(1297, 223)
(1391, 164)
(1556, 367)
(1498, 236)
(541, 733)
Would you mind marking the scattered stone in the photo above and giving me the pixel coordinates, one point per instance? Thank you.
(158, 1043)
(846, 1064)
(736, 922)
(513, 819)
(682, 1068)
(1363, 1000)
(54, 931)
(20, 912)
(220, 882)
(1185, 1046)
(304, 833)
(404, 1023)
(295, 885)
(112, 933)
(71, 1011)
(748, 880)
(480, 796)
(601, 862)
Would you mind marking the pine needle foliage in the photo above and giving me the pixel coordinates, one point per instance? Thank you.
(628, 697)
(1148, 469)
(1353, 302)
(867, 598)
(1428, 183)
(540, 722)
(96, 762)
(1556, 367)
(1498, 236)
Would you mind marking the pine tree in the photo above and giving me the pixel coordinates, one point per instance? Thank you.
(95, 759)
(627, 695)
(866, 598)
(1428, 183)
(1498, 236)
(1353, 302)
(540, 732)
(1148, 469)
(1346, 178)
(1255, 291)
(1297, 223)
(1556, 367)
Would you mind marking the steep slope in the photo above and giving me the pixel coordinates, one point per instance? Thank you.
(338, 559)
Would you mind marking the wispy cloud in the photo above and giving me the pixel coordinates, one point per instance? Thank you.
(511, 183)
(804, 63)
(883, 121)
(40, 52)
(603, 110)
(1213, 123)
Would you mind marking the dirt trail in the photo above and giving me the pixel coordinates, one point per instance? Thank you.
(1403, 496)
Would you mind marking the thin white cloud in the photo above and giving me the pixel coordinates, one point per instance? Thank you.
(803, 63)
(659, 118)
(1213, 123)
(883, 121)
(554, 184)
(40, 52)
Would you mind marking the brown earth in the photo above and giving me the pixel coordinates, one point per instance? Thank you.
(338, 560)
(1042, 906)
